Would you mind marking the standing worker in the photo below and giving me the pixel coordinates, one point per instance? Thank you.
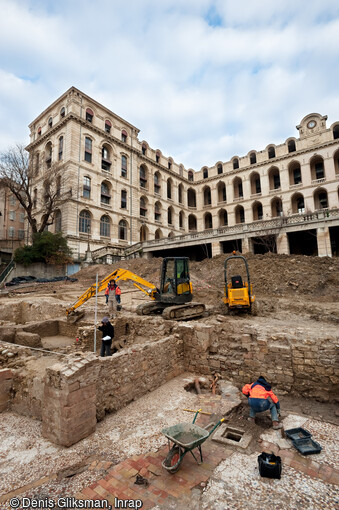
(114, 298)
(107, 293)
(261, 398)
(107, 336)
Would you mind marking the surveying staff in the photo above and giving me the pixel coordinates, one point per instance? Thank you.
(107, 331)
(261, 398)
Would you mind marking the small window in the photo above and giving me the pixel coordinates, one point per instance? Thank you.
(297, 175)
(122, 230)
(21, 234)
(123, 136)
(89, 115)
(235, 163)
(157, 157)
(22, 217)
(271, 152)
(105, 194)
(319, 170)
(12, 215)
(86, 188)
(276, 181)
(169, 165)
(143, 208)
(57, 221)
(88, 150)
(156, 184)
(205, 173)
(123, 199)
(291, 146)
(190, 175)
(240, 190)
(105, 159)
(143, 177)
(39, 131)
(123, 166)
(323, 200)
(253, 158)
(58, 186)
(108, 126)
(11, 232)
(50, 122)
(144, 150)
(219, 169)
(257, 185)
(62, 112)
(61, 147)
(157, 212)
(12, 200)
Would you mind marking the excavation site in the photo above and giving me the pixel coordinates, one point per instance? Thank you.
(162, 422)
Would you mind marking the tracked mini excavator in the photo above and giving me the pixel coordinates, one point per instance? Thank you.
(238, 295)
(173, 299)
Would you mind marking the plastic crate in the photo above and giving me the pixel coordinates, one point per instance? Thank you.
(307, 446)
(298, 433)
(269, 465)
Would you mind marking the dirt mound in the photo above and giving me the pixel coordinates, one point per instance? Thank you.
(271, 275)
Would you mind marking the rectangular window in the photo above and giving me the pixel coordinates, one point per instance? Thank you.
(240, 192)
(297, 176)
(123, 166)
(257, 186)
(319, 171)
(86, 188)
(12, 215)
(11, 232)
(88, 150)
(22, 217)
(276, 181)
(21, 234)
(12, 200)
(124, 199)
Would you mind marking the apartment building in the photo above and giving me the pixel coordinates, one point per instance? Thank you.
(122, 197)
(12, 221)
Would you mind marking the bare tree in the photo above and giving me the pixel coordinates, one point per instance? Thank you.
(19, 172)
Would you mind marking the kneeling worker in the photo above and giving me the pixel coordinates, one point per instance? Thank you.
(107, 331)
(261, 398)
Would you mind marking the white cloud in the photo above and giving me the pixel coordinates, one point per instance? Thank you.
(198, 93)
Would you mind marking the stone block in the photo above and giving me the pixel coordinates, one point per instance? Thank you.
(29, 339)
(7, 335)
(5, 373)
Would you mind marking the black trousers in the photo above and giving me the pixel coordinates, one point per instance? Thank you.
(105, 348)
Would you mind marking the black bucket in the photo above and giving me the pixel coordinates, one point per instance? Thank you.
(269, 465)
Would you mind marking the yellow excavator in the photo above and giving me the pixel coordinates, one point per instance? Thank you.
(238, 295)
(173, 299)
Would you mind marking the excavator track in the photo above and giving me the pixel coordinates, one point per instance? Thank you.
(150, 309)
(184, 312)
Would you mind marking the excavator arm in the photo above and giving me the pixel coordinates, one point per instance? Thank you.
(118, 274)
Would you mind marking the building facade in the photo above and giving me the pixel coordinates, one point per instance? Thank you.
(123, 197)
(12, 222)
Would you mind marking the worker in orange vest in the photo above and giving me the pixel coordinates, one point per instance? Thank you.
(107, 293)
(114, 298)
(261, 398)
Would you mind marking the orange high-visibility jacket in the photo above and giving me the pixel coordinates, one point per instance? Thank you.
(117, 291)
(107, 291)
(258, 392)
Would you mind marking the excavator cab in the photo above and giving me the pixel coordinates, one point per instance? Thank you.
(175, 285)
(238, 294)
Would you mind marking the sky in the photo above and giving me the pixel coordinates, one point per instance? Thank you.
(203, 80)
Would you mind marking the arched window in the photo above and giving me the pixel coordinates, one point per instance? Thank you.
(237, 188)
(180, 193)
(143, 233)
(157, 211)
(271, 152)
(274, 178)
(143, 207)
(37, 164)
(276, 207)
(157, 186)
(169, 188)
(123, 199)
(61, 147)
(123, 166)
(144, 149)
(291, 146)
(320, 199)
(208, 221)
(58, 186)
(105, 195)
(294, 170)
(235, 163)
(86, 187)
(192, 222)
(207, 196)
(253, 158)
(336, 131)
(88, 149)
(57, 221)
(191, 198)
(50, 122)
(170, 216)
(205, 173)
(49, 155)
(181, 219)
(124, 136)
(105, 158)
(169, 164)
(257, 211)
(158, 234)
(255, 184)
(239, 214)
(39, 131)
(85, 222)
(317, 168)
(219, 168)
(108, 126)
(157, 157)
(143, 177)
(62, 112)
(122, 230)
(105, 226)
(298, 203)
(221, 188)
(190, 175)
(89, 115)
(223, 219)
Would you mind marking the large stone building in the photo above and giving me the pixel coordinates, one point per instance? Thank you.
(12, 222)
(122, 197)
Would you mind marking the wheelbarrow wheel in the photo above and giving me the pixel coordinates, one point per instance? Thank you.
(173, 458)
